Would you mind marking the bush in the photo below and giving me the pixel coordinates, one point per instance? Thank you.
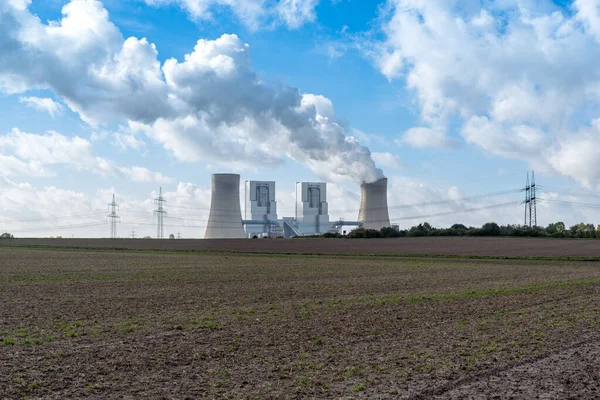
(388, 232)
(331, 235)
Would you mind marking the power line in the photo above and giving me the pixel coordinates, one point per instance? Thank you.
(578, 191)
(570, 203)
(462, 199)
(413, 205)
(67, 216)
(193, 208)
(505, 174)
(442, 214)
(62, 227)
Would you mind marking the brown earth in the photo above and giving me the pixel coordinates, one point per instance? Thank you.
(489, 246)
(119, 324)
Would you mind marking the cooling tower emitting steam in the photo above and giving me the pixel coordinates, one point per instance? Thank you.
(225, 218)
(373, 205)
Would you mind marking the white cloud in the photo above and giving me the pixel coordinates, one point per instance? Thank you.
(86, 63)
(37, 151)
(507, 140)
(368, 138)
(31, 211)
(123, 138)
(578, 156)
(388, 160)
(51, 148)
(10, 165)
(296, 13)
(43, 104)
(518, 78)
(255, 14)
(105, 167)
(588, 12)
(423, 137)
(128, 141)
(211, 106)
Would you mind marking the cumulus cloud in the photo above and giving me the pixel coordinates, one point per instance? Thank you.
(43, 104)
(255, 14)
(84, 60)
(35, 152)
(519, 79)
(210, 106)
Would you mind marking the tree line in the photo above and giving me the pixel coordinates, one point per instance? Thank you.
(556, 230)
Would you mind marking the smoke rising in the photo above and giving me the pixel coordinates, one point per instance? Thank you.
(211, 106)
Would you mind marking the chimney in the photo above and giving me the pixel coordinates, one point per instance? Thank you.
(373, 205)
(225, 218)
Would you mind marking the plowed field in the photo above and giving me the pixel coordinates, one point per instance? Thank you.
(82, 323)
(465, 246)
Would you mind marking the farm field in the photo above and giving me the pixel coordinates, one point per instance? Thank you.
(465, 246)
(88, 323)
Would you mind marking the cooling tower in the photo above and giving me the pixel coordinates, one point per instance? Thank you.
(225, 218)
(373, 205)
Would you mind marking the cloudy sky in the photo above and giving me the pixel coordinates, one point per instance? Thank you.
(454, 101)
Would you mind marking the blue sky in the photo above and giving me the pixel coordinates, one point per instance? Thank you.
(448, 109)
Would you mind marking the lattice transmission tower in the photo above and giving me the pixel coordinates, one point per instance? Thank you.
(160, 213)
(113, 217)
(530, 201)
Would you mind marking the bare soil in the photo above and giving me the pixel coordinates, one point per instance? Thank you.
(118, 324)
(467, 246)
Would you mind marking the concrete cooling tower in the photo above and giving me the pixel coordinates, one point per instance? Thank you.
(373, 205)
(225, 218)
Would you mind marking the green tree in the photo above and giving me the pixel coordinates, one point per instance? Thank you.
(389, 232)
(490, 229)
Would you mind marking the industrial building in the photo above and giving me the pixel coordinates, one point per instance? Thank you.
(260, 209)
(225, 217)
(260, 218)
(312, 211)
(373, 212)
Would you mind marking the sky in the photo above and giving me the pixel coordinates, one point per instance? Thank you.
(453, 101)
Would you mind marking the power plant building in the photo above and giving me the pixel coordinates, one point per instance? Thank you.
(260, 208)
(260, 217)
(225, 217)
(312, 210)
(373, 205)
